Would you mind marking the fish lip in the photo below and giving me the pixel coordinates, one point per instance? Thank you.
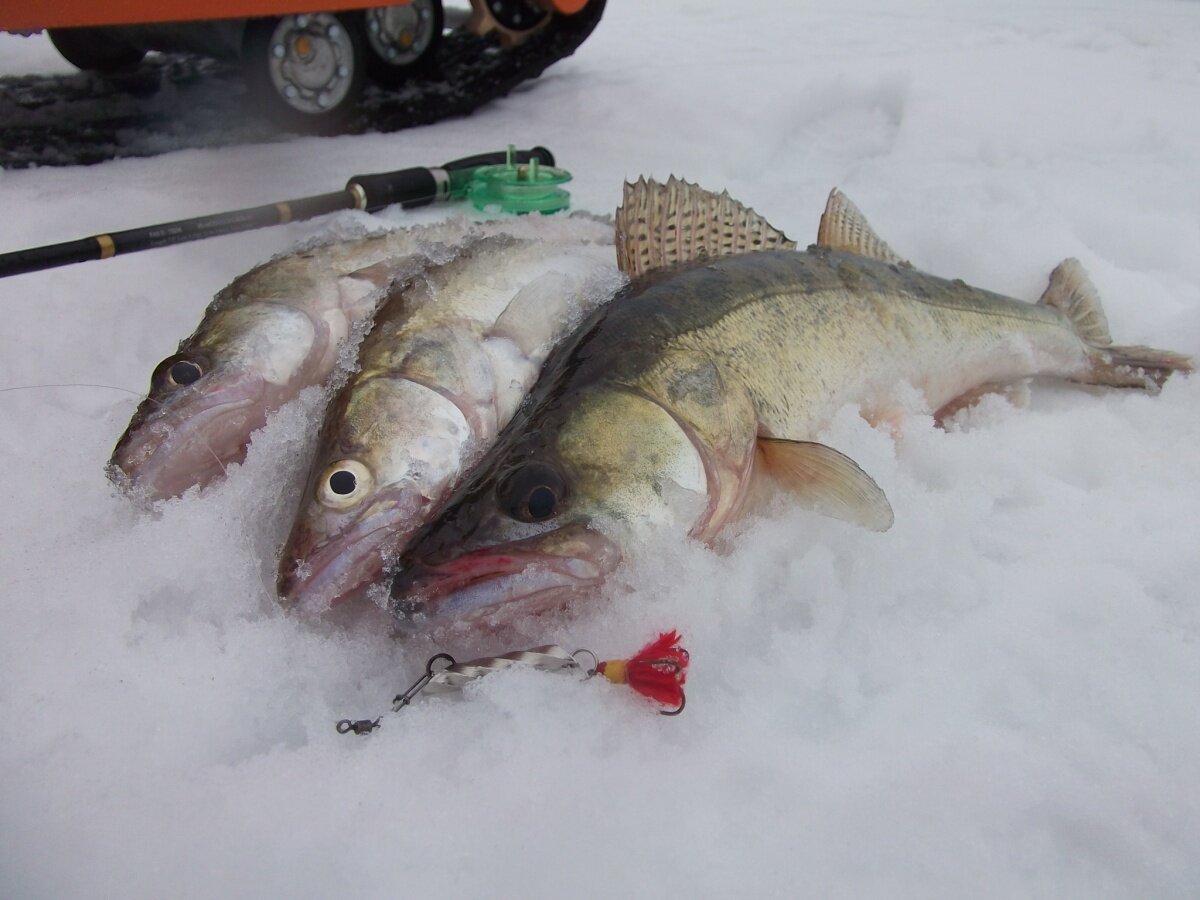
(530, 573)
(142, 459)
(314, 566)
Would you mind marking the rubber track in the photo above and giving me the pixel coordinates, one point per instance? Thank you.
(172, 102)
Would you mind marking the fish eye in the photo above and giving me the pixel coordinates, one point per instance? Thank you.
(184, 372)
(343, 484)
(179, 371)
(533, 492)
(541, 502)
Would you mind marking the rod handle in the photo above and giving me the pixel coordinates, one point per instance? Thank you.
(420, 186)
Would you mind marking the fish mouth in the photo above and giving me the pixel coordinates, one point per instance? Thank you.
(323, 566)
(517, 578)
(188, 440)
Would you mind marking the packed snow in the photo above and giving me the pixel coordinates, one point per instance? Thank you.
(998, 697)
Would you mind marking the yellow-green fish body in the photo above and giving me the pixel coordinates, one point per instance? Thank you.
(669, 404)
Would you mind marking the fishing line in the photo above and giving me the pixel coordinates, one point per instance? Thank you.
(71, 384)
(113, 387)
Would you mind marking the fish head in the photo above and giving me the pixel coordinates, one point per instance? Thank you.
(390, 449)
(549, 514)
(206, 399)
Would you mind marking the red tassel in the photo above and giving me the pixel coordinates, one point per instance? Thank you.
(657, 671)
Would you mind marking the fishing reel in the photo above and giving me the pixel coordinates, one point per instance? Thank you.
(520, 188)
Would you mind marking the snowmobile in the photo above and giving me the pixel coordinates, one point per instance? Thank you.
(307, 62)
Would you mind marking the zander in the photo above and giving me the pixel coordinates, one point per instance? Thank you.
(719, 366)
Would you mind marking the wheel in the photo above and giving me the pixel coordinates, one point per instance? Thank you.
(402, 40)
(512, 21)
(91, 48)
(308, 69)
(517, 15)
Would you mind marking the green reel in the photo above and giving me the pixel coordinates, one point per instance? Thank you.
(519, 188)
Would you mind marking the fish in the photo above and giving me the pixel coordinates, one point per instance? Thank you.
(708, 381)
(279, 328)
(451, 355)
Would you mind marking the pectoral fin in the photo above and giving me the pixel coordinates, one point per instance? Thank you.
(363, 290)
(826, 481)
(378, 274)
(533, 317)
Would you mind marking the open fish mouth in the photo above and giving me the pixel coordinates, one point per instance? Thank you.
(162, 452)
(519, 578)
(323, 570)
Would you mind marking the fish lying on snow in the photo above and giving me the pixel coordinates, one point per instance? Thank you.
(271, 333)
(451, 355)
(668, 405)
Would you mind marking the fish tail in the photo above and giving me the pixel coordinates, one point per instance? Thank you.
(1136, 366)
(1072, 293)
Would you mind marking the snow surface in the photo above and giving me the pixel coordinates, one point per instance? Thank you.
(998, 697)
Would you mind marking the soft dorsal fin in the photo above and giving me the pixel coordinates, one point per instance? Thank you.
(659, 225)
(1072, 293)
(827, 482)
(844, 227)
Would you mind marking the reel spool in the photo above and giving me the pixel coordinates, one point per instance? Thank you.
(519, 187)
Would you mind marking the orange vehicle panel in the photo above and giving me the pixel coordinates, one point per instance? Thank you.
(73, 13)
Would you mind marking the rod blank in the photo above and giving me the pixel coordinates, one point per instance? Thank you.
(410, 188)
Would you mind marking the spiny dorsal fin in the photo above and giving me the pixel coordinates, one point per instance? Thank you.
(844, 227)
(1072, 293)
(659, 225)
(827, 482)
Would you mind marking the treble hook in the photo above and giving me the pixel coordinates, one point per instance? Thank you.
(402, 700)
(677, 710)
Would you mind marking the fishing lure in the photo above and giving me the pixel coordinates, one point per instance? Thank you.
(657, 671)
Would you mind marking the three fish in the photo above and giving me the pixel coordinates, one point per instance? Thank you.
(705, 379)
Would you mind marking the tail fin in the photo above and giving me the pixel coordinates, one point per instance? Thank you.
(1072, 293)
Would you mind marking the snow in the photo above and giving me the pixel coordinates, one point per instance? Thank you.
(995, 698)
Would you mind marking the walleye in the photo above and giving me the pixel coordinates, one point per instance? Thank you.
(450, 357)
(717, 367)
(271, 333)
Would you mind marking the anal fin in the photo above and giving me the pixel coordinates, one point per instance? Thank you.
(1015, 392)
(827, 482)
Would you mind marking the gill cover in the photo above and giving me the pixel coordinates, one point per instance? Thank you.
(627, 458)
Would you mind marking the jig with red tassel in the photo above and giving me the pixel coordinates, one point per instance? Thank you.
(657, 671)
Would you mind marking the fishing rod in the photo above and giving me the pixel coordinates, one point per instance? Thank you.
(410, 188)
